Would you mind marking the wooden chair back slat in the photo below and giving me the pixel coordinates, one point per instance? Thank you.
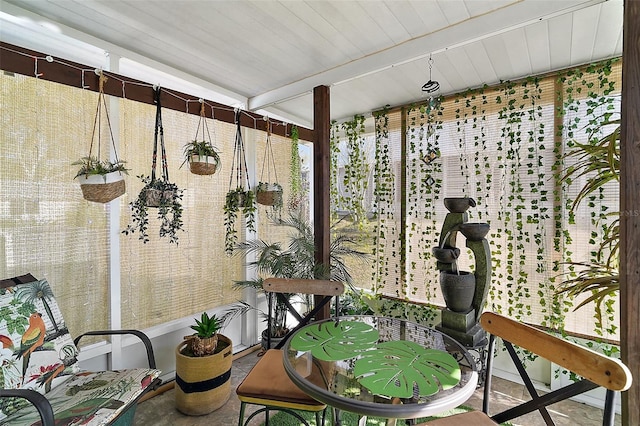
(600, 369)
(303, 286)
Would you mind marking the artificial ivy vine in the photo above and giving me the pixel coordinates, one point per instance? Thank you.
(334, 191)
(424, 184)
(355, 180)
(385, 230)
(588, 93)
(511, 161)
(297, 193)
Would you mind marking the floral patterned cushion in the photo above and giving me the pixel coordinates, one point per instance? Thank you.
(37, 350)
(38, 353)
(89, 398)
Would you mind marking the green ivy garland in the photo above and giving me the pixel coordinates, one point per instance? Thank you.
(384, 194)
(297, 193)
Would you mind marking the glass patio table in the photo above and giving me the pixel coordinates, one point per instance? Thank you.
(382, 367)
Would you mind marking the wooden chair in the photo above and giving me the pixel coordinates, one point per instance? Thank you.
(596, 370)
(267, 384)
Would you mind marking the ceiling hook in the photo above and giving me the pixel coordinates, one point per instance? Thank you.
(431, 85)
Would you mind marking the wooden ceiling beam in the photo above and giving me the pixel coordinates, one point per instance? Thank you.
(27, 62)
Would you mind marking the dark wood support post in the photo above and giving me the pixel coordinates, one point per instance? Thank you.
(321, 180)
(630, 210)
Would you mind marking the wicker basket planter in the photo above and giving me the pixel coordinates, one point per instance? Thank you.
(102, 188)
(269, 194)
(101, 180)
(157, 197)
(202, 165)
(203, 384)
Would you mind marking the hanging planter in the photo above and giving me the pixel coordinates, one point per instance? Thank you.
(101, 181)
(157, 193)
(201, 154)
(268, 192)
(240, 196)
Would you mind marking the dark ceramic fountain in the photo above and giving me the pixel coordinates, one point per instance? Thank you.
(464, 292)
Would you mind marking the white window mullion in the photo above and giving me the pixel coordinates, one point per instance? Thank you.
(115, 313)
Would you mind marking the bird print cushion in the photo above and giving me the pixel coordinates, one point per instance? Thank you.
(37, 350)
(38, 353)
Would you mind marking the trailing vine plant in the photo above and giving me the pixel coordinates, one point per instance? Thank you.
(297, 194)
(596, 162)
(355, 180)
(385, 230)
(334, 187)
(424, 183)
(240, 196)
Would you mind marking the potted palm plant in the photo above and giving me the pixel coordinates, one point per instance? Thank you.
(203, 368)
(295, 259)
(101, 181)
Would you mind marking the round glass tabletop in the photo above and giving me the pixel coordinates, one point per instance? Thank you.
(379, 366)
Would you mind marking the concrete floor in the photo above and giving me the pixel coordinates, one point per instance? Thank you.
(160, 410)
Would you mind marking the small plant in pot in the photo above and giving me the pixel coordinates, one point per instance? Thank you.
(269, 194)
(93, 166)
(205, 339)
(203, 368)
(157, 192)
(101, 180)
(236, 200)
(167, 198)
(202, 157)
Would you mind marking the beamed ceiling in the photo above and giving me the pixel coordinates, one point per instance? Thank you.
(267, 56)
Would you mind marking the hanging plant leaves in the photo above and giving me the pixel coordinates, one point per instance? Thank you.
(394, 369)
(331, 341)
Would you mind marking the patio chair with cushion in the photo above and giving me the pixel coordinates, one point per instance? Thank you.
(267, 384)
(42, 383)
(596, 370)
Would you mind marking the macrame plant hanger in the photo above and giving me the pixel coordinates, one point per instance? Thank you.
(239, 166)
(203, 167)
(102, 192)
(240, 196)
(155, 197)
(269, 193)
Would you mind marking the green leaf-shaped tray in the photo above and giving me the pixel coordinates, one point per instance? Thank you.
(394, 367)
(335, 341)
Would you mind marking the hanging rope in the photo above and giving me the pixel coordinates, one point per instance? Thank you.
(269, 159)
(159, 131)
(97, 122)
(202, 122)
(239, 165)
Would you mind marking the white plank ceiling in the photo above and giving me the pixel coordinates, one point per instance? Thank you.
(268, 55)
